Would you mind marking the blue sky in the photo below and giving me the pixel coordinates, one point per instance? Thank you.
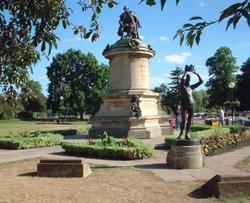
(158, 30)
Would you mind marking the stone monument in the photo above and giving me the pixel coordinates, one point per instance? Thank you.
(130, 109)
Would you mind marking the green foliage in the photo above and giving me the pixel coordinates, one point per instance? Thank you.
(195, 128)
(221, 68)
(191, 32)
(35, 99)
(117, 149)
(170, 94)
(201, 100)
(79, 78)
(106, 139)
(237, 129)
(243, 86)
(32, 140)
(24, 26)
(8, 115)
(65, 132)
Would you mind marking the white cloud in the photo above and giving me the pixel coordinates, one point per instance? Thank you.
(165, 39)
(180, 59)
(157, 81)
(201, 3)
(244, 44)
(142, 37)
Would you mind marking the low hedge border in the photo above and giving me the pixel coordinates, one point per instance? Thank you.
(32, 140)
(119, 149)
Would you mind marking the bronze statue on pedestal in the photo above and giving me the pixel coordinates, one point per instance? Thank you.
(187, 99)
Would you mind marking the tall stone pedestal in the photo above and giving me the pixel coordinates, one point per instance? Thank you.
(119, 115)
(186, 154)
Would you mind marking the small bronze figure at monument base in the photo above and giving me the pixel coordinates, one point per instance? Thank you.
(187, 99)
(129, 23)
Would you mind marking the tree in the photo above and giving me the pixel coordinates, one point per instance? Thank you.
(35, 100)
(201, 101)
(174, 96)
(76, 82)
(243, 86)
(24, 26)
(175, 77)
(27, 26)
(221, 69)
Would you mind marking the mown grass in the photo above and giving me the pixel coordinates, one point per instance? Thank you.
(8, 127)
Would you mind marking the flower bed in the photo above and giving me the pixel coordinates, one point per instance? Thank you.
(216, 144)
(217, 139)
(31, 140)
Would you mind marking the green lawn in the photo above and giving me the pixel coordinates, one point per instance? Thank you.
(12, 126)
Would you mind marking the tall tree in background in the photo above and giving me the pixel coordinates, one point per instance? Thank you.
(170, 94)
(27, 26)
(201, 101)
(243, 86)
(221, 69)
(76, 82)
(35, 100)
(174, 96)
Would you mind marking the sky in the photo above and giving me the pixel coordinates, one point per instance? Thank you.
(158, 30)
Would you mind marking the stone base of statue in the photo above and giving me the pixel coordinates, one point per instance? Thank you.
(130, 109)
(186, 154)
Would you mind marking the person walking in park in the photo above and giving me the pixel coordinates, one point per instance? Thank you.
(177, 114)
(187, 99)
(221, 115)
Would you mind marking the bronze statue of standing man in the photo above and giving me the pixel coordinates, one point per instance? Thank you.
(187, 99)
(129, 23)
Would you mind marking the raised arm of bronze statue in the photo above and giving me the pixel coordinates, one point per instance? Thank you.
(187, 99)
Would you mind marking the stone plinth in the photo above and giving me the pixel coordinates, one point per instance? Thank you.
(63, 168)
(226, 184)
(129, 65)
(129, 77)
(186, 154)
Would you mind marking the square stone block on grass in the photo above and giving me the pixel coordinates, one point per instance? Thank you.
(70, 168)
(221, 185)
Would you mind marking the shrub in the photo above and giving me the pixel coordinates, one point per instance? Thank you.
(64, 132)
(116, 149)
(195, 128)
(32, 140)
(237, 129)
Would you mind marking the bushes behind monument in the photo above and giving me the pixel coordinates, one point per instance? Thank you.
(109, 147)
(30, 140)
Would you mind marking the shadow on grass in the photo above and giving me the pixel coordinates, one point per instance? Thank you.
(199, 194)
(29, 174)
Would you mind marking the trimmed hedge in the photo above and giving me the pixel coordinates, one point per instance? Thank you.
(32, 140)
(116, 149)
